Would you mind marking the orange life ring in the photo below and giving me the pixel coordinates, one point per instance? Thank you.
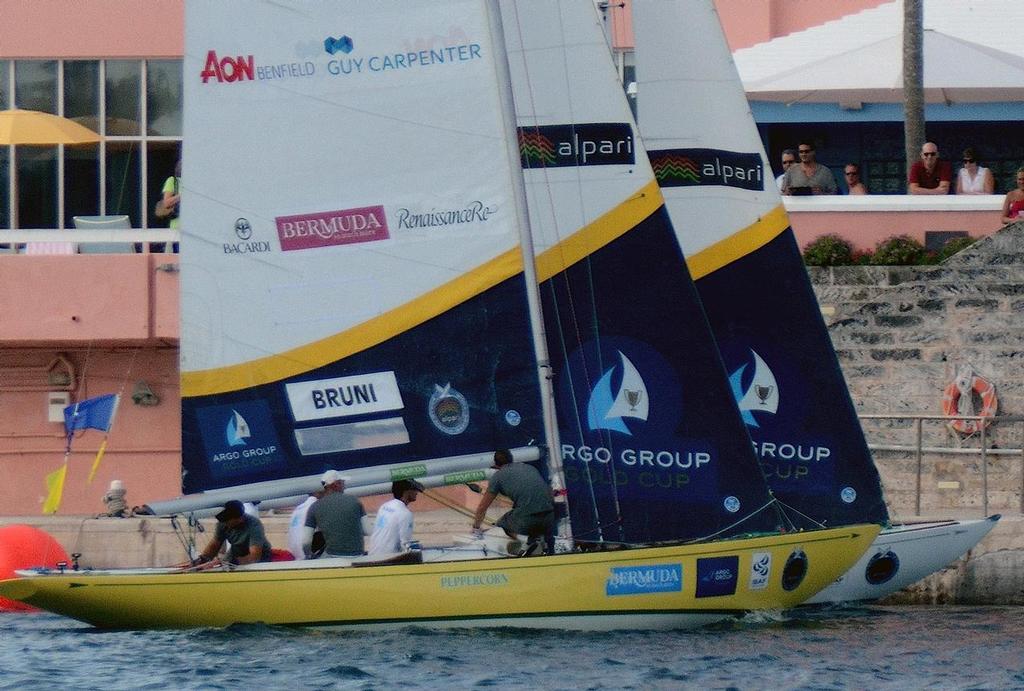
(986, 390)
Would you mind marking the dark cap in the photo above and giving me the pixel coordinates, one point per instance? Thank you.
(400, 487)
(232, 509)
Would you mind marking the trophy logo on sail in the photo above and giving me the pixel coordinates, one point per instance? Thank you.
(237, 430)
(760, 396)
(607, 410)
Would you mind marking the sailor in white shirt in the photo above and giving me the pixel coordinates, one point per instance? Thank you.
(392, 531)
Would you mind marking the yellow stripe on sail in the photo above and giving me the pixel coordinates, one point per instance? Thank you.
(368, 334)
(96, 462)
(55, 489)
(739, 244)
(602, 231)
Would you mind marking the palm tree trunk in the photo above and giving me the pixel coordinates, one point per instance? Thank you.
(913, 80)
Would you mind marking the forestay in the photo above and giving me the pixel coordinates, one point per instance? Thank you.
(728, 217)
(651, 440)
(352, 278)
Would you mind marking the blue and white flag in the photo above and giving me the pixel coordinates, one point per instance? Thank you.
(92, 413)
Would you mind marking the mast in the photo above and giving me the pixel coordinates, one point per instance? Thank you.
(544, 371)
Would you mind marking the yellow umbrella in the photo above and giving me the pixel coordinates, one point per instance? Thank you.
(31, 127)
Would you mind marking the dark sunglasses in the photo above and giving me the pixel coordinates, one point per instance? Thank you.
(929, 153)
(968, 160)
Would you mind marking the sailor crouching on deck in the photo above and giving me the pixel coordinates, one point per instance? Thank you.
(533, 509)
(245, 533)
(338, 516)
(392, 531)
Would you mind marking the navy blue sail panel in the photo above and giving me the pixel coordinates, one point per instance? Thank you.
(791, 392)
(462, 382)
(652, 443)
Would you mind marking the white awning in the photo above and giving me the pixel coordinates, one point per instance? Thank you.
(971, 55)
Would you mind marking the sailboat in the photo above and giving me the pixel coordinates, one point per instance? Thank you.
(728, 216)
(370, 304)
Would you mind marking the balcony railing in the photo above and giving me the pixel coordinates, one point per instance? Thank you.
(85, 241)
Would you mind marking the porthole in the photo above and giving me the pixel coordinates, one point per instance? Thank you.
(882, 567)
(795, 570)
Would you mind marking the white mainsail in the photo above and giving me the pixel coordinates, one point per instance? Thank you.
(356, 299)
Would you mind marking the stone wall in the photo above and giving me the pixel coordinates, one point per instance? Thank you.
(901, 333)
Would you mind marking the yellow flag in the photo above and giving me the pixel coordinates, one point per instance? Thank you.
(55, 487)
(96, 462)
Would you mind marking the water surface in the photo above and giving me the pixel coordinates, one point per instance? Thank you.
(872, 647)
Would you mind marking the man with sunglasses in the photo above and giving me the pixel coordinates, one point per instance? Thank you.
(788, 159)
(809, 176)
(930, 175)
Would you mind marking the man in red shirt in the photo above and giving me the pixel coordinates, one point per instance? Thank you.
(930, 175)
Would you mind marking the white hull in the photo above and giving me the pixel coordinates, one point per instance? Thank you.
(920, 549)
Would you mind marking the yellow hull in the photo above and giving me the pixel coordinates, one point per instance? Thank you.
(662, 587)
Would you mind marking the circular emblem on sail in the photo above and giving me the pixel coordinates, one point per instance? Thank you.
(731, 504)
(243, 229)
(513, 418)
(848, 495)
(448, 410)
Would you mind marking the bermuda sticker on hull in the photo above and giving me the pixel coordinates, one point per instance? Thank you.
(640, 580)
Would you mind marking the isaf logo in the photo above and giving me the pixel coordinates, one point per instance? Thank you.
(762, 393)
(606, 409)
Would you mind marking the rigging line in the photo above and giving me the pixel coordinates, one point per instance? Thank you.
(798, 512)
(82, 391)
(457, 508)
(546, 179)
(729, 527)
(553, 216)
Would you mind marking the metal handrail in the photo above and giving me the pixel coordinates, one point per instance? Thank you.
(983, 449)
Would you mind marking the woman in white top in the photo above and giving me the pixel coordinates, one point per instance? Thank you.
(973, 179)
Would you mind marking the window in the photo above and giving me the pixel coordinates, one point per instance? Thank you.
(135, 105)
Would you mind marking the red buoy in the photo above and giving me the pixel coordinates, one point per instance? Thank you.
(23, 547)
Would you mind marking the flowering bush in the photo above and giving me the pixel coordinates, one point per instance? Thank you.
(828, 250)
(899, 250)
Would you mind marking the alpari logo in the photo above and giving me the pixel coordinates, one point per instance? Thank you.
(688, 167)
(761, 395)
(338, 45)
(237, 430)
(606, 410)
(582, 144)
(228, 69)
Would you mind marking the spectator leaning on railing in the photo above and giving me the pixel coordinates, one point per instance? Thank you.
(1013, 204)
(788, 159)
(851, 171)
(808, 177)
(930, 175)
(973, 178)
